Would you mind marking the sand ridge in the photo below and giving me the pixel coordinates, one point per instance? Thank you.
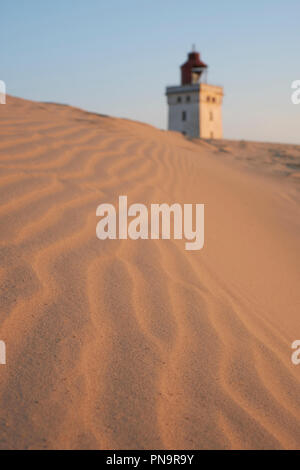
(123, 344)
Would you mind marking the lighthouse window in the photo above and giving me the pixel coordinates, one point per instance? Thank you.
(214, 100)
(208, 98)
(179, 99)
(211, 116)
(188, 99)
(184, 115)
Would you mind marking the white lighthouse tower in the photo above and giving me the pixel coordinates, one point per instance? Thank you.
(195, 108)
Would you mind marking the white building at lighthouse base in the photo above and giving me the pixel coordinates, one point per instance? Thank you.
(196, 110)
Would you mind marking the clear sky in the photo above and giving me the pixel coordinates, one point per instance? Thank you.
(116, 57)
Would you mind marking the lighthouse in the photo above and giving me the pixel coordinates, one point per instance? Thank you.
(195, 107)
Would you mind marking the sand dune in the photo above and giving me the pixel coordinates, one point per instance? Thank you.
(123, 344)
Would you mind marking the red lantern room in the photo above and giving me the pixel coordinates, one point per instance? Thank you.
(192, 70)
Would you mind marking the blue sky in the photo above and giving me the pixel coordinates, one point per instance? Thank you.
(116, 57)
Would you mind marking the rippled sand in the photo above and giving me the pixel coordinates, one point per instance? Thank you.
(141, 344)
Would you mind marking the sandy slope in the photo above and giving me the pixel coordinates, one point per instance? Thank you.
(141, 344)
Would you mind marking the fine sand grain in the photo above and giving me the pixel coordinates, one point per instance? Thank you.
(142, 344)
